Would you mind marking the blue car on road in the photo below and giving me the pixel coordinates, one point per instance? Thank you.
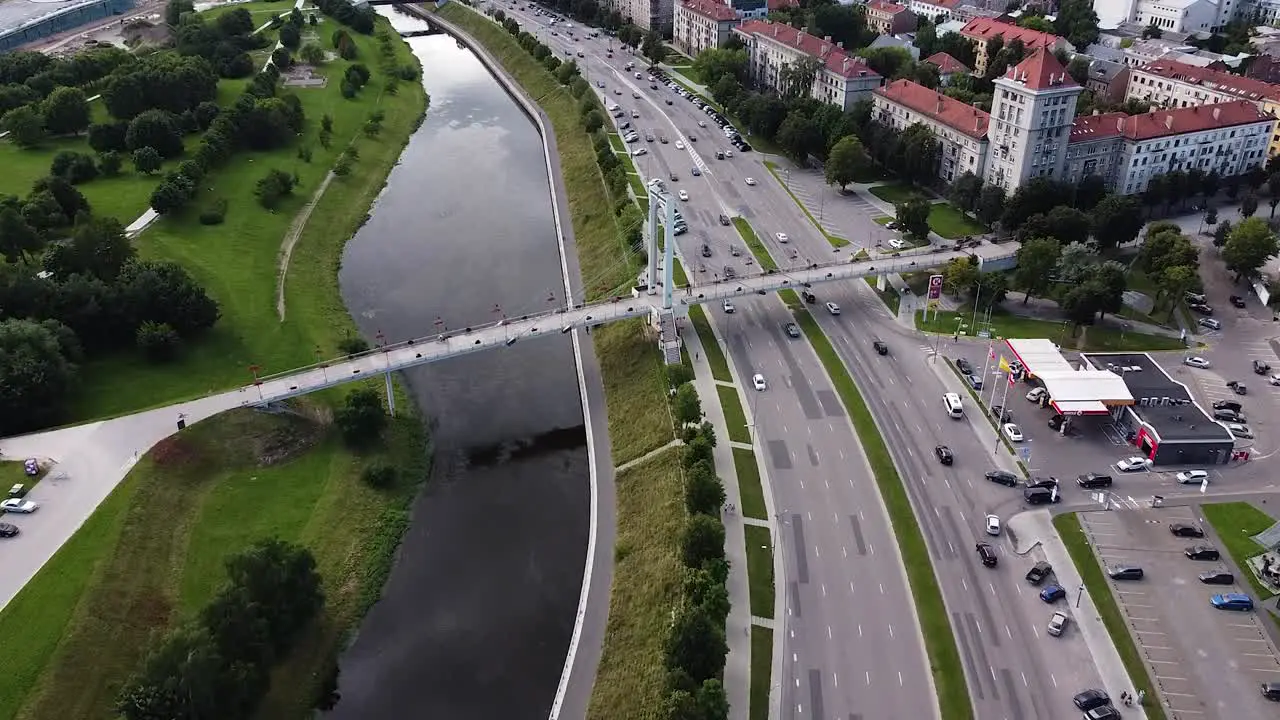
(1052, 593)
(1232, 601)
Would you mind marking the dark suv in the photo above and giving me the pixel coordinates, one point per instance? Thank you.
(1039, 572)
(1090, 699)
(987, 553)
(1202, 552)
(1125, 572)
(1040, 496)
(1004, 478)
(1094, 480)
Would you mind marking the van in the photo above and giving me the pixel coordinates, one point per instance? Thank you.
(1094, 480)
(951, 401)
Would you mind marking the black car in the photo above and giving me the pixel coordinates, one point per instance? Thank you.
(1236, 301)
(808, 297)
(1106, 712)
(724, 219)
(987, 554)
(706, 250)
(1040, 496)
(1039, 572)
(695, 172)
(944, 454)
(880, 347)
(1090, 699)
(1093, 480)
(792, 330)
(1001, 477)
(1125, 572)
(1201, 308)
(1260, 367)
(1271, 690)
(8, 530)
(1217, 577)
(1227, 405)
(1048, 483)
(1228, 415)
(964, 367)
(1202, 552)
(1004, 416)
(1186, 530)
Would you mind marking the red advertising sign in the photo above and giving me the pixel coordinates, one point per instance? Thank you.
(935, 287)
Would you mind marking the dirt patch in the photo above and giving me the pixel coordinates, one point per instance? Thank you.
(284, 442)
(174, 452)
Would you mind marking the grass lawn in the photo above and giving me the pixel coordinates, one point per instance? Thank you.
(835, 241)
(1096, 338)
(678, 275)
(123, 197)
(761, 667)
(710, 346)
(1236, 523)
(1068, 526)
(895, 193)
(889, 295)
(760, 570)
(750, 489)
(948, 221)
(688, 72)
(12, 473)
(753, 243)
(647, 574)
(616, 142)
(918, 281)
(152, 555)
(734, 417)
(635, 390)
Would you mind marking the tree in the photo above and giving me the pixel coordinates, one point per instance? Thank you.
(1116, 221)
(960, 275)
(312, 54)
(1157, 191)
(696, 644)
(846, 162)
(964, 192)
(702, 540)
(990, 206)
(74, 167)
(713, 64)
(703, 491)
(25, 126)
(1037, 259)
(1163, 247)
(281, 580)
(175, 9)
(157, 341)
(186, 677)
(799, 136)
(97, 248)
(914, 216)
(1221, 233)
(1249, 246)
(1176, 282)
(36, 376)
(282, 58)
(155, 129)
(704, 590)
(653, 48)
(290, 37)
(918, 154)
(66, 112)
(361, 418)
(1248, 204)
(109, 163)
(108, 136)
(273, 188)
(688, 409)
(17, 238)
(165, 292)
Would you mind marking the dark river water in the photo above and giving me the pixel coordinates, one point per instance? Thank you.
(476, 617)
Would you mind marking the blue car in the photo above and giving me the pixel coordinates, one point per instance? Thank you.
(1232, 601)
(1052, 593)
(974, 381)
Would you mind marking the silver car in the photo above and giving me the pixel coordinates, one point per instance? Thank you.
(18, 505)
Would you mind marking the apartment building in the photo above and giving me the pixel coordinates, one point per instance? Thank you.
(961, 129)
(655, 15)
(888, 18)
(933, 10)
(1188, 17)
(1170, 84)
(982, 31)
(948, 67)
(841, 78)
(1031, 114)
(702, 24)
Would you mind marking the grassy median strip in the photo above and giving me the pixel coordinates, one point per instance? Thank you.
(835, 240)
(750, 489)
(715, 354)
(760, 570)
(1236, 523)
(753, 243)
(1073, 536)
(761, 667)
(734, 417)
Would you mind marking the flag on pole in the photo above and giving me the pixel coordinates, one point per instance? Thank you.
(1004, 365)
(991, 353)
(1011, 380)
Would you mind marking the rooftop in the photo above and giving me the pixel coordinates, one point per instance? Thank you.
(886, 7)
(933, 104)
(837, 60)
(17, 13)
(1040, 71)
(1224, 82)
(947, 64)
(717, 11)
(1163, 123)
(1177, 416)
(1085, 390)
(985, 29)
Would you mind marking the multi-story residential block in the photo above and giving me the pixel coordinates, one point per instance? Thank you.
(982, 31)
(1263, 12)
(961, 129)
(888, 18)
(841, 78)
(655, 15)
(1031, 113)
(933, 10)
(947, 66)
(1171, 84)
(702, 24)
(1188, 17)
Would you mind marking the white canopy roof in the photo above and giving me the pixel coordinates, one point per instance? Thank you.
(1084, 391)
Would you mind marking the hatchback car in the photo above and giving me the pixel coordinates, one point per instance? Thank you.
(944, 454)
(993, 525)
(1125, 572)
(18, 505)
(1058, 623)
(1037, 394)
(1228, 414)
(758, 381)
(1202, 552)
(1260, 367)
(1232, 601)
(679, 144)
(1133, 464)
(1013, 432)
(781, 237)
(896, 243)
(1217, 577)
(750, 181)
(1090, 699)
(1039, 572)
(964, 366)
(1186, 530)
(695, 172)
(1106, 712)
(1241, 431)
(1195, 361)
(975, 382)
(987, 554)
(8, 530)
(1001, 477)
(728, 307)
(880, 347)
(792, 330)
(684, 195)
(833, 308)
(1052, 594)
(1190, 477)
(1209, 323)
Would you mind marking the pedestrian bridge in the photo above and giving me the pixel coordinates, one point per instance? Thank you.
(642, 303)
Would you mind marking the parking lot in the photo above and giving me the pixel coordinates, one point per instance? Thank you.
(1262, 399)
(1207, 663)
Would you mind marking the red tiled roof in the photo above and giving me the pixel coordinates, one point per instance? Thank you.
(947, 64)
(1162, 123)
(885, 6)
(984, 29)
(1241, 87)
(1040, 71)
(779, 4)
(933, 104)
(837, 59)
(717, 11)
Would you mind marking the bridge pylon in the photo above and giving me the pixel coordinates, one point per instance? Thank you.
(664, 315)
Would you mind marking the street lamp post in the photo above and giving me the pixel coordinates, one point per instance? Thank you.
(1079, 594)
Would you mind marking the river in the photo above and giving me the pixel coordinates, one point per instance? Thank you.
(476, 617)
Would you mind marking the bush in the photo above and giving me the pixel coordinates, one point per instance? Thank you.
(273, 188)
(352, 345)
(362, 417)
(214, 214)
(75, 167)
(380, 476)
(109, 163)
(158, 342)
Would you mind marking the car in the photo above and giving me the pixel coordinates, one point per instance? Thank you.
(684, 195)
(1209, 323)
(693, 138)
(751, 181)
(600, 83)
(781, 237)
(1188, 477)
(18, 505)
(975, 382)
(728, 153)
(635, 113)
(808, 296)
(1125, 572)
(1037, 394)
(1039, 572)
(1236, 301)
(635, 95)
(1001, 477)
(1048, 483)
(1053, 593)
(695, 172)
(993, 525)
(8, 530)
(639, 151)
(1001, 414)
(1217, 577)
(1260, 367)
(945, 456)
(1133, 464)
(1106, 712)
(1186, 530)
(734, 250)
(1232, 601)
(1271, 690)
(1200, 307)
(1090, 699)
(679, 144)
(1091, 481)
(893, 225)
(792, 330)
(833, 308)
(1012, 432)
(702, 123)
(1227, 405)
(1195, 361)
(1241, 431)
(1202, 552)
(758, 381)
(1041, 496)
(1058, 623)
(896, 243)
(987, 554)
(964, 366)
(648, 137)
(880, 347)
(728, 307)
(729, 272)
(663, 139)
(1274, 379)
(617, 91)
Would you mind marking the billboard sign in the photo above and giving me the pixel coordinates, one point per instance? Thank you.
(935, 287)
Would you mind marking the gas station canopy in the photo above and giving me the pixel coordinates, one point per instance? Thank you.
(1087, 391)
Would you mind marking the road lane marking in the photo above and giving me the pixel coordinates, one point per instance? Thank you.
(881, 588)
(829, 632)
(835, 678)
(1054, 679)
(824, 589)
(1009, 632)
(815, 549)
(851, 590)
(1036, 631)
(978, 625)
(1024, 680)
(899, 678)
(859, 629)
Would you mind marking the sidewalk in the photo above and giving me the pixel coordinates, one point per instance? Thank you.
(1036, 528)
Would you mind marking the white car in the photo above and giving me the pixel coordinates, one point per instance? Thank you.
(751, 181)
(1058, 623)
(702, 123)
(18, 505)
(635, 113)
(1240, 431)
(639, 151)
(1274, 379)
(758, 381)
(679, 145)
(782, 237)
(728, 307)
(684, 195)
(728, 153)
(1133, 464)
(1195, 361)
(896, 243)
(1037, 394)
(993, 525)
(1012, 431)
(833, 308)
(1192, 477)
